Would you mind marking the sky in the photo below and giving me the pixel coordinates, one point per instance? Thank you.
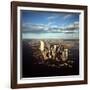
(49, 25)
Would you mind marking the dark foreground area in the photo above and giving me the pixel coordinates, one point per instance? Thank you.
(33, 66)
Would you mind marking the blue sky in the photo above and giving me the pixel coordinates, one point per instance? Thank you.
(51, 23)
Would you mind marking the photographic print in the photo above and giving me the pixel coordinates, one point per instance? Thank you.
(49, 44)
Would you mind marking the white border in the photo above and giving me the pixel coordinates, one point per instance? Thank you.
(57, 78)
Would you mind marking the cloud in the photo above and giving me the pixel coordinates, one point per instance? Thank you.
(34, 28)
(52, 17)
(73, 26)
(49, 23)
(66, 16)
(60, 16)
(50, 27)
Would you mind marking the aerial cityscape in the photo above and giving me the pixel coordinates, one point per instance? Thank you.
(50, 43)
